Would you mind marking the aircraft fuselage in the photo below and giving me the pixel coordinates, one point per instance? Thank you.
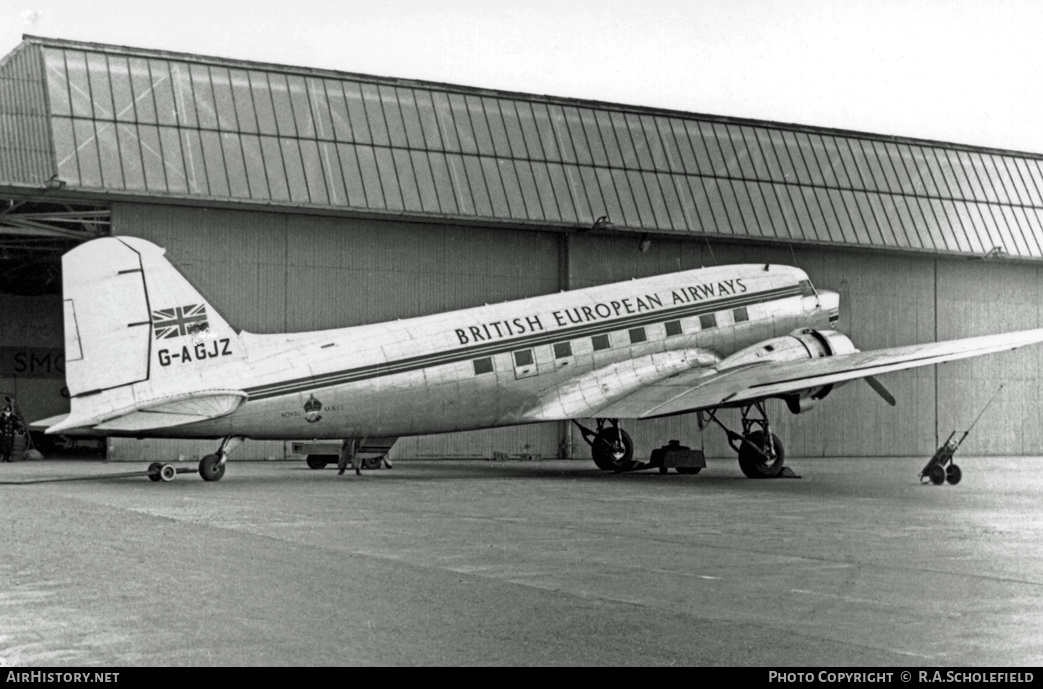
(492, 365)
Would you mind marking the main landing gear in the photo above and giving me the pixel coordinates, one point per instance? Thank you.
(613, 450)
(211, 467)
(611, 447)
(761, 453)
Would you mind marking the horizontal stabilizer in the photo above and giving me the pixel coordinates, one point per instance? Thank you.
(147, 421)
(44, 424)
(174, 412)
(209, 406)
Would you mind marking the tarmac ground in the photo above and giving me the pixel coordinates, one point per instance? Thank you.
(447, 562)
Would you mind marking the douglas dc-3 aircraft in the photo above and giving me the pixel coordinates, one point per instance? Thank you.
(147, 356)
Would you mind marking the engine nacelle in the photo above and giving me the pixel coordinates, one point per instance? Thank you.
(805, 343)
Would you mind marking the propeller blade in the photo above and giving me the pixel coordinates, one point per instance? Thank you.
(879, 389)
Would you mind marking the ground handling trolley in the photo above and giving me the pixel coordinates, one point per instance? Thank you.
(941, 467)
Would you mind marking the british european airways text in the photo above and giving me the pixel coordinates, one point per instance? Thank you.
(636, 304)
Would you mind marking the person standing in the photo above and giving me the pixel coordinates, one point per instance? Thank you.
(8, 426)
(349, 450)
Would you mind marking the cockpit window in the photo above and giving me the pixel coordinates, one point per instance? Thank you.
(806, 288)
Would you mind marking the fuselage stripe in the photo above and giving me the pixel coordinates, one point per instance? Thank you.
(512, 344)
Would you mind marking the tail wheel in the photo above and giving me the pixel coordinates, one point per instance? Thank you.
(613, 450)
(211, 468)
(758, 458)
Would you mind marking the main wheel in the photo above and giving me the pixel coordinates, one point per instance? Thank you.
(316, 461)
(937, 474)
(753, 464)
(953, 474)
(211, 468)
(613, 450)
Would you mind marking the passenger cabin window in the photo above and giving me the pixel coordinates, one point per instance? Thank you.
(562, 354)
(483, 366)
(708, 321)
(600, 342)
(673, 328)
(637, 335)
(524, 364)
(740, 314)
(806, 288)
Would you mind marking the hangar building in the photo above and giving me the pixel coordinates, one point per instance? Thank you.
(301, 199)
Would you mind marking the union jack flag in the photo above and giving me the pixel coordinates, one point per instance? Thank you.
(181, 320)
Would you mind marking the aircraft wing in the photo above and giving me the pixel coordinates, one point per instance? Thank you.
(707, 388)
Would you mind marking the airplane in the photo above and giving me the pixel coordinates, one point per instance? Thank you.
(148, 356)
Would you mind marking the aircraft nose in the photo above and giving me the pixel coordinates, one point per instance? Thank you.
(830, 303)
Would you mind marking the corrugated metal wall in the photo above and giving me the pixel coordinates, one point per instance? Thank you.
(270, 272)
(977, 298)
(25, 136)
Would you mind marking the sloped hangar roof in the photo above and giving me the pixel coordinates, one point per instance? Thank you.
(126, 121)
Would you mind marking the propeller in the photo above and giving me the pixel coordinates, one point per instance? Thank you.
(879, 389)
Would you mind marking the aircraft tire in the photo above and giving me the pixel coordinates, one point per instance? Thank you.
(953, 474)
(211, 468)
(613, 450)
(937, 474)
(753, 464)
(317, 461)
(153, 471)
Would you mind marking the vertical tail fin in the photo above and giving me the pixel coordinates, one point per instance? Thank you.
(132, 317)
